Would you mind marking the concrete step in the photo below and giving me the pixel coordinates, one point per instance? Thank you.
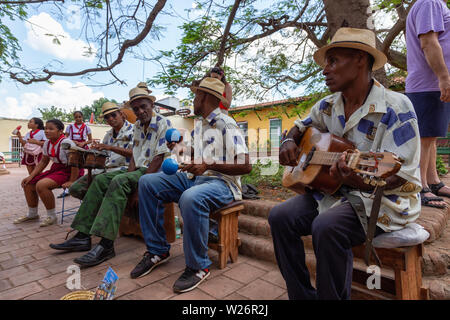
(254, 225)
(439, 286)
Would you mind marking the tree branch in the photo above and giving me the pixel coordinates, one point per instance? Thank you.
(220, 55)
(29, 1)
(126, 44)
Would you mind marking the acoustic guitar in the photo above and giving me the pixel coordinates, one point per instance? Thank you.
(320, 150)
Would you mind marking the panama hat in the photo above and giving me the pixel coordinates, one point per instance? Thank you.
(212, 86)
(140, 92)
(143, 85)
(108, 107)
(361, 39)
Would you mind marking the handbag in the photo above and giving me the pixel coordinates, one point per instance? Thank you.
(33, 150)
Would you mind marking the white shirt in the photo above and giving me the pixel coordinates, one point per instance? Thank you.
(76, 133)
(39, 136)
(386, 122)
(47, 150)
(148, 144)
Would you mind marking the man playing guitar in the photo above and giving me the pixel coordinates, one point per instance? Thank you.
(374, 119)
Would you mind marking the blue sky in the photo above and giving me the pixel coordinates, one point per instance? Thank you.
(22, 101)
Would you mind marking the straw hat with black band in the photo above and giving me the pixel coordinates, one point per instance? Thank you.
(139, 92)
(110, 107)
(212, 86)
(361, 39)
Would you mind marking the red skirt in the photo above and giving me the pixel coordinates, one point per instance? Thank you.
(60, 173)
(28, 159)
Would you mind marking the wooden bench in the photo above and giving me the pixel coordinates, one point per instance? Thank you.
(405, 283)
(226, 217)
(129, 225)
(228, 240)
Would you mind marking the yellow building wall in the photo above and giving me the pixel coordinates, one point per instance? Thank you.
(262, 123)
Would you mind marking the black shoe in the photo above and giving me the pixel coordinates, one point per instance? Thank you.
(73, 244)
(97, 255)
(148, 263)
(190, 279)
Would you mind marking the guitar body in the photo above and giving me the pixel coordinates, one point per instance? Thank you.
(314, 176)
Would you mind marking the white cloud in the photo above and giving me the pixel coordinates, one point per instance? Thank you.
(44, 31)
(62, 94)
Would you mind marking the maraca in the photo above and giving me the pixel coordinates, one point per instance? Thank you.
(169, 166)
(173, 135)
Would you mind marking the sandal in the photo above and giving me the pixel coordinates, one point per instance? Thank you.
(426, 200)
(436, 187)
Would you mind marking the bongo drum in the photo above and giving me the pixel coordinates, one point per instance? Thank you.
(75, 158)
(95, 159)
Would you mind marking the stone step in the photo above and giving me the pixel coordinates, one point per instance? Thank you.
(439, 287)
(254, 225)
(432, 219)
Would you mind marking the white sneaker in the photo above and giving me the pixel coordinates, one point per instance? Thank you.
(48, 221)
(25, 218)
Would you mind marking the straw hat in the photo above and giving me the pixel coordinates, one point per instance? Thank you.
(361, 39)
(140, 92)
(212, 86)
(108, 107)
(143, 85)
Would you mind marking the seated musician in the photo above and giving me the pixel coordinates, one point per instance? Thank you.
(205, 185)
(374, 119)
(40, 183)
(117, 142)
(105, 201)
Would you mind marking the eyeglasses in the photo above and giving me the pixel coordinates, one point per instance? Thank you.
(112, 114)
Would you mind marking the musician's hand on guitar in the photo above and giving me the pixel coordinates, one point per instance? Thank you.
(340, 171)
(289, 153)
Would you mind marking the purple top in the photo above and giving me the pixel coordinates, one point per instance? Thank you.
(425, 16)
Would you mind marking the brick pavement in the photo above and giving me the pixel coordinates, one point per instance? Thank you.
(29, 269)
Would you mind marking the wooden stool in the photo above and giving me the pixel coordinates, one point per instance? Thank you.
(130, 222)
(228, 243)
(406, 263)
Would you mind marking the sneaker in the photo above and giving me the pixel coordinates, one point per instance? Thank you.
(25, 218)
(190, 279)
(48, 221)
(148, 263)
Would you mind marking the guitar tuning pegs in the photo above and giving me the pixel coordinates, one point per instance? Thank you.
(373, 182)
(366, 180)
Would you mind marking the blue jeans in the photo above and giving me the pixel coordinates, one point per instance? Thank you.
(196, 198)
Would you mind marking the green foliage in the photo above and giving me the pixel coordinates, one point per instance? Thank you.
(67, 116)
(440, 166)
(55, 113)
(256, 178)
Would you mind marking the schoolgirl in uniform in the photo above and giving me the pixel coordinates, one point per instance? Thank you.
(79, 132)
(40, 184)
(32, 143)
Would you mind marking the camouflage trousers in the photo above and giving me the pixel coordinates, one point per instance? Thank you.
(102, 208)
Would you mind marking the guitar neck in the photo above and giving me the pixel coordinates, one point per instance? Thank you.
(326, 158)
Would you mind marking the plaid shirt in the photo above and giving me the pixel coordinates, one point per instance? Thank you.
(386, 122)
(147, 145)
(218, 138)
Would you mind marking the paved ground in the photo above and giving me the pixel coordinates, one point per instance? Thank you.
(29, 269)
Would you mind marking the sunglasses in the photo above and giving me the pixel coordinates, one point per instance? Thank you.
(112, 114)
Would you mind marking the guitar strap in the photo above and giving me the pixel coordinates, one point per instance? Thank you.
(369, 227)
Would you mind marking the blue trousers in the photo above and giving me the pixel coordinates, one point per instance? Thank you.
(196, 198)
(334, 233)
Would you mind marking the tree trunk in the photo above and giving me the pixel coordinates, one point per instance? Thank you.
(353, 14)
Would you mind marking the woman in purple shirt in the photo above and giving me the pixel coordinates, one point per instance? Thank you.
(428, 87)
